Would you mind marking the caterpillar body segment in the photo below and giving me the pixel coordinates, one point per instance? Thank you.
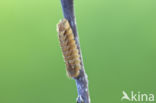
(69, 48)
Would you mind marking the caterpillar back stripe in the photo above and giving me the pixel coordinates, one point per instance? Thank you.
(69, 48)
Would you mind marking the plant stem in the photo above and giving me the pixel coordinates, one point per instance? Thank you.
(82, 79)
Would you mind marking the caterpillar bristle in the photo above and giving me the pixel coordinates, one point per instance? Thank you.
(69, 48)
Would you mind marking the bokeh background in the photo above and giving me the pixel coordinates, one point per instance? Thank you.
(118, 42)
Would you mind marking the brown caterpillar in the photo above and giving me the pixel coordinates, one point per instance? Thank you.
(69, 48)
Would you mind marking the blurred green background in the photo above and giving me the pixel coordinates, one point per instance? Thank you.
(118, 42)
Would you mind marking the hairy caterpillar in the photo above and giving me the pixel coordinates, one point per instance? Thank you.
(69, 48)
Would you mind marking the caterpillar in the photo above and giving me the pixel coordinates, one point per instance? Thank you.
(69, 48)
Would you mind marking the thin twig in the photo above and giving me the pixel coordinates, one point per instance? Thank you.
(82, 79)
